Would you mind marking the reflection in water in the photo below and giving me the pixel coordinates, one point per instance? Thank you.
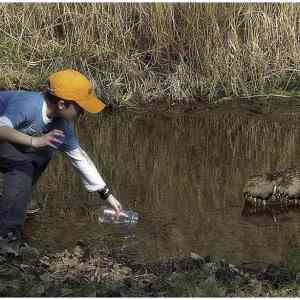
(184, 175)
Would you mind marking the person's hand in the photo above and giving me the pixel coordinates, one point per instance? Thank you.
(115, 204)
(53, 139)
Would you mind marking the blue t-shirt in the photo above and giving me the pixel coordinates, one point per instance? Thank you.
(25, 111)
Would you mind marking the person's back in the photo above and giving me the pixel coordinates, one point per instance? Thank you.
(21, 108)
(27, 112)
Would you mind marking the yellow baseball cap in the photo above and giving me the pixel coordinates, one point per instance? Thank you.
(73, 86)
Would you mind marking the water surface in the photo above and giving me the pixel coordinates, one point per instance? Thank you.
(184, 174)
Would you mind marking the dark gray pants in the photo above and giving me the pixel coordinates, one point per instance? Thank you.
(21, 171)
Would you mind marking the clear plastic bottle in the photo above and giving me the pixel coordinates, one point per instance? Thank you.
(108, 216)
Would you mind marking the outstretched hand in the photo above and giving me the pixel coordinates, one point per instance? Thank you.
(53, 139)
(116, 205)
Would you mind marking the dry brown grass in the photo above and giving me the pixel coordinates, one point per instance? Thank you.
(137, 53)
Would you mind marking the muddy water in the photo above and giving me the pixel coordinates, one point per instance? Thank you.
(184, 174)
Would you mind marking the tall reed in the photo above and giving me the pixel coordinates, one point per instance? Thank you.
(138, 53)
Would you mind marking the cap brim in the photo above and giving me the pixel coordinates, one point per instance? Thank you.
(92, 105)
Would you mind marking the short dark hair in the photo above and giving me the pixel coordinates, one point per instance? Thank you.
(54, 99)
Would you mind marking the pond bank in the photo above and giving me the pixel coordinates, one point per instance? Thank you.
(257, 104)
(88, 272)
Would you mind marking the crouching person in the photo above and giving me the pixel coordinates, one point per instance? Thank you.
(32, 126)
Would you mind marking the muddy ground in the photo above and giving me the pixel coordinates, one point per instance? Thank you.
(87, 272)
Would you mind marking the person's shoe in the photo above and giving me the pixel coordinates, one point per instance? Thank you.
(10, 242)
(32, 209)
(11, 234)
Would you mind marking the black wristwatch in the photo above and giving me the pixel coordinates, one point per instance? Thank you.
(104, 193)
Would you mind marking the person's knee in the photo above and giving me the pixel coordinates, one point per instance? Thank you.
(24, 167)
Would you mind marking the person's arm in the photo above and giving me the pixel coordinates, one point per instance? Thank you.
(12, 135)
(90, 176)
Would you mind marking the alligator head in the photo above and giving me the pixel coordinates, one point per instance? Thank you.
(272, 192)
